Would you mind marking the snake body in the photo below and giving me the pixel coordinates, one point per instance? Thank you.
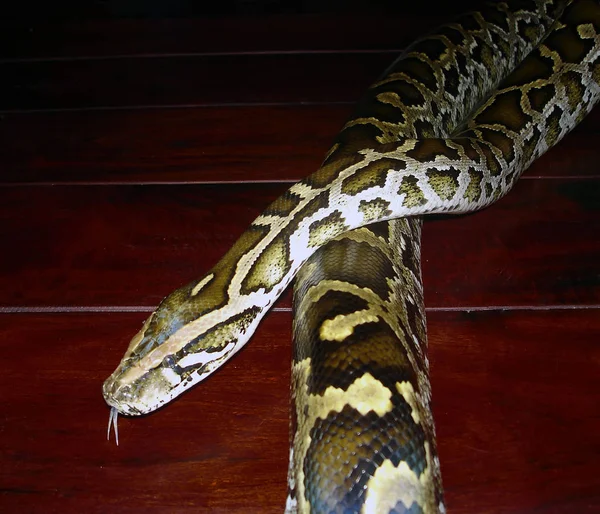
(448, 128)
(364, 433)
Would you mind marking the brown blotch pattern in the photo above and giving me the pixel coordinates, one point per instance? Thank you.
(336, 162)
(473, 191)
(420, 70)
(553, 129)
(414, 196)
(332, 303)
(428, 150)
(409, 93)
(373, 210)
(530, 146)
(491, 160)
(505, 110)
(181, 306)
(425, 128)
(568, 45)
(323, 230)
(529, 30)
(534, 67)
(318, 202)
(270, 267)
(585, 11)
(574, 89)
(452, 81)
(284, 205)
(363, 133)
(220, 333)
(380, 230)
(274, 261)
(372, 347)
(500, 141)
(214, 294)
(373, 174)
(444, 182)
(539, 97)
(470, 149)
(375, 438)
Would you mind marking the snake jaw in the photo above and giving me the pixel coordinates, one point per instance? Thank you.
(142, 395)
(157, 367)
(118, 398)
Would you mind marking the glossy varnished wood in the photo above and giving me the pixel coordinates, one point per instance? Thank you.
(212, 144)
(513, 292)
(188, 80)
(55, 456)
(132, 245)
(512, 403)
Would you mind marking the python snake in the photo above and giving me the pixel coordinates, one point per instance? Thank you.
(449, 128)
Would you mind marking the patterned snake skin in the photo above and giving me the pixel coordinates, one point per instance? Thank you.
(360, 350)
(449, 128)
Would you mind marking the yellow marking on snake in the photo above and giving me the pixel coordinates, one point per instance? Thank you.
(407, 391)
(202, 283)
(415, 489)
(365, 394)
(342, 326)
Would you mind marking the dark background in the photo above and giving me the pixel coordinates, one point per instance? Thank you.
(190, 9)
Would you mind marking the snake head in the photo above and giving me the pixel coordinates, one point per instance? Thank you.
(145, 378)
(180, 344)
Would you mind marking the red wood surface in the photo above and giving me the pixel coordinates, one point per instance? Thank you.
(106, 208)
(516, 418)
(212, 144)
(97, 245)
(189, 80)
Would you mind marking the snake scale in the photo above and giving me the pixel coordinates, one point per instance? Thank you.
(448, 128)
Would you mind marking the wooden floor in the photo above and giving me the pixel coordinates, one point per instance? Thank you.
(133, 154)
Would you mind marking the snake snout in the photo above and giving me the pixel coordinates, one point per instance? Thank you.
(119, 397)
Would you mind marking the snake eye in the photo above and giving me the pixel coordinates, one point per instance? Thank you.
(169, 361)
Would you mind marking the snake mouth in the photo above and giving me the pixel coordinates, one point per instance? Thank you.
(123, 409)
(120, 397)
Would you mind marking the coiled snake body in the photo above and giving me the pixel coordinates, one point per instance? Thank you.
(448, 128)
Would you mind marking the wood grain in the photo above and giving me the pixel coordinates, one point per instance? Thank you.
(512, 400)
(130, 246)
(213, 144)
(514, 407)
(188, 80)
(55, 456)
